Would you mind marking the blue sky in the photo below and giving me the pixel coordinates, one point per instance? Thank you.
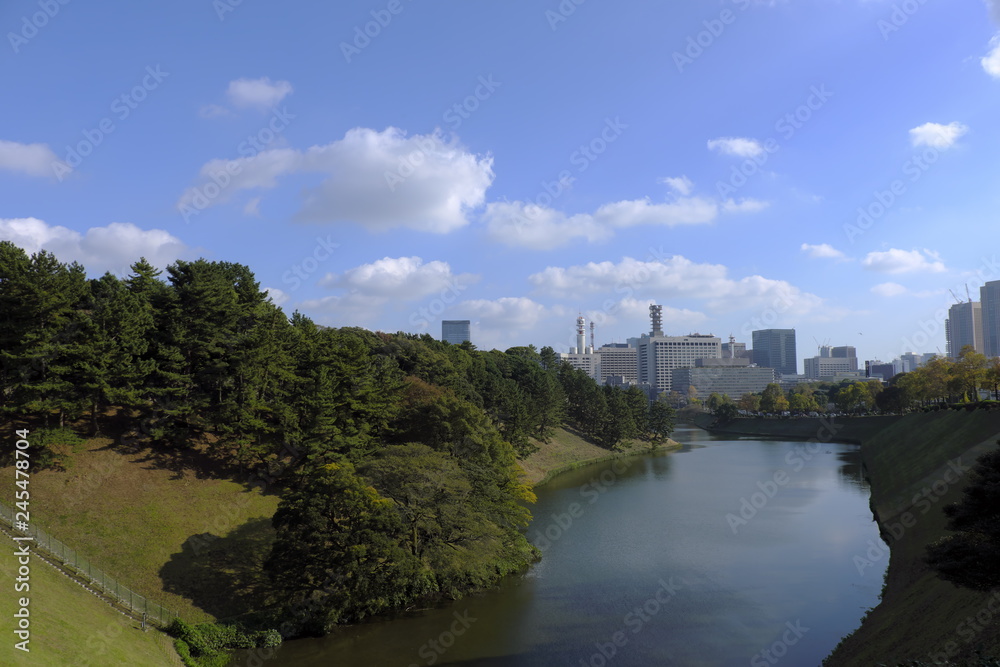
(827, 165)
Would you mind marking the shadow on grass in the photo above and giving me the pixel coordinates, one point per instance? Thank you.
(223, 576)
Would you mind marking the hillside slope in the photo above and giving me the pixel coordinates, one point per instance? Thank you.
(915, 467)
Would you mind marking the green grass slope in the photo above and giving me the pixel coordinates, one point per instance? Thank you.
(921, 617)
(566, 450)
(70, 626)
(134, 515)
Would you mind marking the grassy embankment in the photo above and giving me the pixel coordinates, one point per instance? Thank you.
(69, 626)
(920, 617)
(567, 450)
(142, 517)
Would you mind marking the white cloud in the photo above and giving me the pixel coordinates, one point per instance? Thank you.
(888, 289)
(991, 61)
(541, 228)
(895, 261)
(213, 111)
(31, 159)
(380, 180)
(738, 146)
(113, 248)
(258, 93)
(682, 185)
(675, 277)
(822, 251)
(504, 314)
(538, 227)
(936, 135)
(744, 205)
(252, 208)
(402, 278)
(278, 296)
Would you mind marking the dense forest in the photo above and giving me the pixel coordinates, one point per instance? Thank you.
(395, 455)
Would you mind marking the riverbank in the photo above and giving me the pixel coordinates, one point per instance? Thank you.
(568, 450)
(915, 465)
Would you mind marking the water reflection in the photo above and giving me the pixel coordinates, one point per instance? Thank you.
(644, 561)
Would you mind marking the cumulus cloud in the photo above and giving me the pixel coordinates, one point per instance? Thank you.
(675, 277)
(113, 248)
(257, 93)
(737, 146)
(400, 278)
(380, 180)
(542, 228)
(936, 135)
(991, 61)
(279, 297)
(30, 159)
(895, 261)
(822, 251)
(504, 314)
(888, 289)
(682, 185)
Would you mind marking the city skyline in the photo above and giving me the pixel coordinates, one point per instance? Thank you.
(371, 181)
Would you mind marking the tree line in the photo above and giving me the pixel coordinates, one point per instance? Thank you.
(397, 453)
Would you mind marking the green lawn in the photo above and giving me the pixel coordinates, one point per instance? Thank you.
(69, 626)
(133, 515)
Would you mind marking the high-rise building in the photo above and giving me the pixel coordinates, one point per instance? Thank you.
(657, 355)
(775, 348)
(846, 352)
(964, 326)
(730, 380)
(819, 368)
(617, 360)
(455, 332)
(989, 296)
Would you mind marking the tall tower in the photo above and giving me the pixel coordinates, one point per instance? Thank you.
(656, 315)
(592, 347)
(581, 335)
(732, 346)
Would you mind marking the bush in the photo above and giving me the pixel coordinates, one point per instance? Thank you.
(207, 644)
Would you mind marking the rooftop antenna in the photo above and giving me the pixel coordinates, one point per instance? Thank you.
(656, 315)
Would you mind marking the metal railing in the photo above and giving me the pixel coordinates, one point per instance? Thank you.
(99, 579)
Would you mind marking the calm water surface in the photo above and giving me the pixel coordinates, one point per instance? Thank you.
(650, 562)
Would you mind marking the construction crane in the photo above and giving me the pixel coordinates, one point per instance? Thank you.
(954, 296)
(967, 292)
